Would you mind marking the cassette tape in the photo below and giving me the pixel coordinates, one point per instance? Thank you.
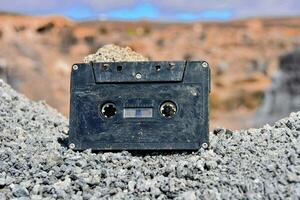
(152, 105)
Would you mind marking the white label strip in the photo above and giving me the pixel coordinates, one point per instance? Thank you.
(138, 112)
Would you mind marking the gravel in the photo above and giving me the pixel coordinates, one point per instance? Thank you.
(249, 164)
(114, 53)
(35, 164)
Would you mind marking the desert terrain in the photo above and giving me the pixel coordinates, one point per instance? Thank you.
(37, 54)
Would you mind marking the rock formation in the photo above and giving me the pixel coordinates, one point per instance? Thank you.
(283, 97)
(3, 70)
(39, 53)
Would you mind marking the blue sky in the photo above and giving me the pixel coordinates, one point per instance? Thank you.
(159, 10)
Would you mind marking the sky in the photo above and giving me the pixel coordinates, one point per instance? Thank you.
(156, 10)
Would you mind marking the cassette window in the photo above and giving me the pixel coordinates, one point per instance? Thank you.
(138, 112)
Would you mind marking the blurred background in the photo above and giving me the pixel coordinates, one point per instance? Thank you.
(251, 45)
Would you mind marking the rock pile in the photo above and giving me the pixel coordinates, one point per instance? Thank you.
(250, 164)
(114, 53)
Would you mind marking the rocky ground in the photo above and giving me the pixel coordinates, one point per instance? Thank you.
(249, 164)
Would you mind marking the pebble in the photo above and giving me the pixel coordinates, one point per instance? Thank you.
(19, 191)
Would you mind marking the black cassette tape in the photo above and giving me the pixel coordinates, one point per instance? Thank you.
(155, 105)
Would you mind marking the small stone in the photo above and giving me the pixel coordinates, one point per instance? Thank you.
(188, 195)
(271, 167)
(155, 191)
(36, 189)
(131, 185)
(211, 194)
(60, 193)
(2, 195)
(200, 165)
(293, 178)
(2, 182)
(20, 191)
(211, 164)
(295, 134)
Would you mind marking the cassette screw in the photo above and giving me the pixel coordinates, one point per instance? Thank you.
(204, 145)
(105, 66)
(75, 67)
(119, 68)
(157, 67)
(138, 76)
(204, 64)
(109, 110)
(194, 92)
(171, 65)
(72, 146)
(168, 109)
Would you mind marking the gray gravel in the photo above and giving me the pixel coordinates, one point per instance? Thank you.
(251, 164)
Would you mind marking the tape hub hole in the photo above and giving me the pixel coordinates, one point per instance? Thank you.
(168, 109)
(119, 68)
(157, 67)
(109, 110)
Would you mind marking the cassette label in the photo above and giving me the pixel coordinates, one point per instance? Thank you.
(138, 112)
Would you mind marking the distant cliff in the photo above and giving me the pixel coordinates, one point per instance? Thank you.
(37, 53)
(283, 96)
